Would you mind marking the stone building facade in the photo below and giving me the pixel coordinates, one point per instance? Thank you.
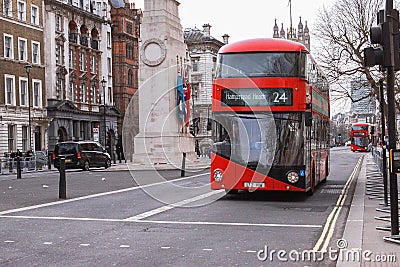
(78, 53)
(23, 120)
(125, 34)
(202, 49)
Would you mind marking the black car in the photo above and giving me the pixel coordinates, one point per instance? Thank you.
(81, 155)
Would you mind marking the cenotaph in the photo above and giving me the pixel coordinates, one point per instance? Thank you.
(162, 139)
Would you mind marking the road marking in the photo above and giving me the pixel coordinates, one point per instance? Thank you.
(95, 195)
(234, 224)
(327, 232)
(171, 206)
(124, 246)
(207, 249)
(166, 222)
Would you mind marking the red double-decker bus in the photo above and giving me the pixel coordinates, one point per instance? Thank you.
(361, 137)
(270, 110)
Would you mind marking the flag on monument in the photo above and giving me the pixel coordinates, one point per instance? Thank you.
(180, 96)
(187, 98)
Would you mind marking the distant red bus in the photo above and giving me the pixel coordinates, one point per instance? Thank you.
(270, 110)
(361, 137)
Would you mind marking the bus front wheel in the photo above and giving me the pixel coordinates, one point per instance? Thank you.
(312, 186)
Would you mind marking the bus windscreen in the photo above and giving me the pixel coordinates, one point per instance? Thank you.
(266, 64)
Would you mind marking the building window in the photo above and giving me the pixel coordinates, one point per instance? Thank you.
(109, 67)
(35, 52)
(98, 8)
(94, 94)
(37, 93)
(11, 138)
(82, 66)
(84, 93)
(59, 88)
(23, 91)
(9, 89)
(130, 78)
(110, 100)
(7, 8)
(93, 64)
(195, 64)
(59, 24)
(34, 15)
(59, 53)
(71, 59)
(129, 27)
(129, 51)
(8, 46)
(71, 91)
(22, 49)
(21, 10)
(24, 138)
(109, 39)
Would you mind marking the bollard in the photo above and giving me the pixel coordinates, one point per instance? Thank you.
(49, 162)
(18, 168)
(62, 188)
(114, 158)
(183, 165)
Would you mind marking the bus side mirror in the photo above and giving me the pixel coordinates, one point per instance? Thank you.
(308, 119)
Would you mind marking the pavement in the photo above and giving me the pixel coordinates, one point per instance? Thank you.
(361, 238)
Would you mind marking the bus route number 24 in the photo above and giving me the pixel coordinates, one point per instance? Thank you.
(280, 97)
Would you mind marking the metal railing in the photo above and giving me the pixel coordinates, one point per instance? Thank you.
(9, 165)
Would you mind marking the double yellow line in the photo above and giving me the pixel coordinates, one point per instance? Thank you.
(327, 233)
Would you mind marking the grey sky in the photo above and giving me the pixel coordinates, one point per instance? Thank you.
(245, 19)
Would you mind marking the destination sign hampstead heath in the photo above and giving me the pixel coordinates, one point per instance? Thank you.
(252, 97)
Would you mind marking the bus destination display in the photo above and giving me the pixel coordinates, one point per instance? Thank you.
(257, 97)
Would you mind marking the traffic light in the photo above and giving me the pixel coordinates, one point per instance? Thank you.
(385, 37)
(380, 36)
(339, 135)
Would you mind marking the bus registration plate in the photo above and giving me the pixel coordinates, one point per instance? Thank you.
(254, 185)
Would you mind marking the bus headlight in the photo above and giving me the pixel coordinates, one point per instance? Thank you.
(218, 174)
(292, 177)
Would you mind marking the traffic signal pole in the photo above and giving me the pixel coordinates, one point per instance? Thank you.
(389, 52)
(386, 53)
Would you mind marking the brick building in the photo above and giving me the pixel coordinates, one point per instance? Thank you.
(23, 120)
(125, 42)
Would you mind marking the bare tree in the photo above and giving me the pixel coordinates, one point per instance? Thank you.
(343, 32)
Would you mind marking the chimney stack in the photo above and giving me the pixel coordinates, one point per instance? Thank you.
(225, 38)
(206, 29)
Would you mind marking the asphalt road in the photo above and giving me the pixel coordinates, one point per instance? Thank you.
(107, 220)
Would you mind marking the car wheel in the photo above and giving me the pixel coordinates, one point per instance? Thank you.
(108, 164)
(86, 166)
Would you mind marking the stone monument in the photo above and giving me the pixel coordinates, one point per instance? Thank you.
(162, 137)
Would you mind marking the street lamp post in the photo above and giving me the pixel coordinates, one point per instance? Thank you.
(28, 68)
(103, 84)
